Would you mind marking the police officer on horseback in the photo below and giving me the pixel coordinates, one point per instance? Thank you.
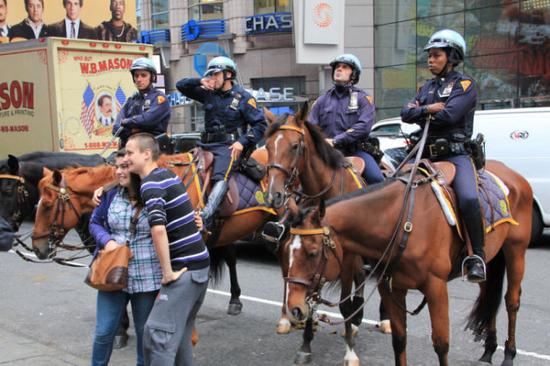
(345, 114)
(229, 112)
(449, 100)
(148, 110)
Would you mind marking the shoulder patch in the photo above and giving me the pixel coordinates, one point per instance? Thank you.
(161, 99)
(252, 102)
(465, 84)
(369, 99)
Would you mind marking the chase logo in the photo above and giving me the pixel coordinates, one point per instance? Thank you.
(519, 135)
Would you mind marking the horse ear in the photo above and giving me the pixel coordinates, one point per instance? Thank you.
(46, 171)
(301, 116)
(57, 177)
(13, 164)
(322, 208)
(269, 116)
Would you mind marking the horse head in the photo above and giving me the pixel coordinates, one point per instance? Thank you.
(65, 196)
(314, 259)
(285, 144)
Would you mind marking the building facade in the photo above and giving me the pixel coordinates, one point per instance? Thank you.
(258, 34)
(508, 49)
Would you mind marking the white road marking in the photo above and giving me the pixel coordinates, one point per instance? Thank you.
(365, 321)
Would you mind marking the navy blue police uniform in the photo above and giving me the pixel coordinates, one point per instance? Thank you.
(455, 124)
(346, 115)
(143, 112)
(228, 116)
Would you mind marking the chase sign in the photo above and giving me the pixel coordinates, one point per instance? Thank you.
(269, 23)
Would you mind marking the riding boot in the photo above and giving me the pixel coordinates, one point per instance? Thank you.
(475, 264)
(214, 200)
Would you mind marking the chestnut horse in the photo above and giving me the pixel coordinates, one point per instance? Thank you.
(67, 195)
(363, 222)
(299, 155)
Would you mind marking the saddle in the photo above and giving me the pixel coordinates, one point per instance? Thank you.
(357, 164)
(205, 166)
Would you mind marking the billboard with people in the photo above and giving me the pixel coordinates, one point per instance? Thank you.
(110, 20)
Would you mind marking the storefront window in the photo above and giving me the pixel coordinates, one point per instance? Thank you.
(396, 43)
(395, 85)
(205, 9)
(272, 6)
(389, 11)
(159, 14)
(426, 8)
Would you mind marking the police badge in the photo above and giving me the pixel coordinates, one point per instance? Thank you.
(447, 91)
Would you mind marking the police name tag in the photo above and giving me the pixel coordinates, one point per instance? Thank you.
(353, 105)
(447, 91)
(235, 102)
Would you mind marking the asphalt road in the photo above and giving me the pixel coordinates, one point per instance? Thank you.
(47, 318)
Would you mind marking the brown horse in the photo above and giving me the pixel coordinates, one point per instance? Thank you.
(363, 223)
(67, 195)
(299, 155)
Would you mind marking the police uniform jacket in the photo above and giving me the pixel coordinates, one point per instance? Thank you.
(456, 120)
(232, 111)
(147, 112)
(344, 114)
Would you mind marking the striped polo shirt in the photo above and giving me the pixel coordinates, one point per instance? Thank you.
(168, 204)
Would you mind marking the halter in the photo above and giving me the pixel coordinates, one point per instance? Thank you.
(291, 174)
(318, 280)
(57, 230)
(22, 196)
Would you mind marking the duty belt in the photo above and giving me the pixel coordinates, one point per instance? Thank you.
(209, 137)
(443, 147)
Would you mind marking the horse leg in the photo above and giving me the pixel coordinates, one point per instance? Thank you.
(515, 268)
(230, 256)
(491, 332)
(347, 308)
(358, 298)
(398, 319)
(438, 303)
(283, 325)
(303, 356)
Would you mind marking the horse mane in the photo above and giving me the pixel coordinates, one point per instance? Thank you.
(360, 192)
(330, 156)
(274, 127)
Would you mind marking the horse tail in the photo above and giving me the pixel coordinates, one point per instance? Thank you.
(488, 301)
(217, 259)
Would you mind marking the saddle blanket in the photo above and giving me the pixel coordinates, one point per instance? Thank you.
(493, 197)
(251, 195)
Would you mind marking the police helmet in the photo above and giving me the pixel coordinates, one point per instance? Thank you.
(350, 60)
(221, 63)
(144, 63)
(451, 41)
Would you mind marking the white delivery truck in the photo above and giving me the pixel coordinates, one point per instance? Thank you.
(518, 137)
(59, 94)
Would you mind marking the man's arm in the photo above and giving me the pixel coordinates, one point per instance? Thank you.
(254, 118)
(192, 88)
(160, 241)
(159, 110)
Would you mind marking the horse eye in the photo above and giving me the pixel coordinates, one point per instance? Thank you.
(295, 147)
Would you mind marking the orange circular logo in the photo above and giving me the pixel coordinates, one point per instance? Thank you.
(322, 15)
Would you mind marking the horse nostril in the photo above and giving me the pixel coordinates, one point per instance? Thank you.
(278, 200)
(297, 313)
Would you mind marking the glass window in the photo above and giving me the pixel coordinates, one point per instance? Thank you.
(272, 6)
(138, 15)
(474, 4)
(205, 9)
(159, 14)
(395, 43)
(394, 86)
(389, 11)
(426, 8)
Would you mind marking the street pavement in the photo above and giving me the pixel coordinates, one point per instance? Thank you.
(47, 317)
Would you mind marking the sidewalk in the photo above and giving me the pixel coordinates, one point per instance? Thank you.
(18, 350)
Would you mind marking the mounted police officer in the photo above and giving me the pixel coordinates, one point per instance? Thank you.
(148, 110)
(345, 114)
(229, 111)
(449, 100)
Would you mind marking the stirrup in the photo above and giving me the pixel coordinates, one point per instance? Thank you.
(470, 257)
(280, 228)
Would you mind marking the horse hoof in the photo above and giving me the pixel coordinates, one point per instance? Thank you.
(507, 362)
(120, 341)
(352, 363)
(235, 308)
(302, 358)
(384, 326)
(487, 358)
(283, 327)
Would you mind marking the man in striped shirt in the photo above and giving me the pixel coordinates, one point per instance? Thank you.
(182, 254)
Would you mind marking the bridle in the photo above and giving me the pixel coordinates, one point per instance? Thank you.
(57, 229)
(291, 174)
(22, 196)
(315, 284)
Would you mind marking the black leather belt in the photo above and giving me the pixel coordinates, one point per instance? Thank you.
(209, 137)
(443, 147)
